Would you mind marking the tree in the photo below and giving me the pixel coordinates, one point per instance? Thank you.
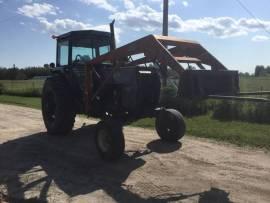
(21, 76)
(259, 70)
(15, 73)
(267, 69)
(246, 74)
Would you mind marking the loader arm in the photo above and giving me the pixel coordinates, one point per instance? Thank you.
(163, 51)
(166, 51)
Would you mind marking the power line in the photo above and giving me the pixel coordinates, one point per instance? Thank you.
(252, 15)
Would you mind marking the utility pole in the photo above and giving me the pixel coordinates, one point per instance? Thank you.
(165, 17)
(163, 68)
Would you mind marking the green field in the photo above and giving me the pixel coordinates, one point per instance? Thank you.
(32, 102)
(22, 87)
(25, 87)
(254, 84)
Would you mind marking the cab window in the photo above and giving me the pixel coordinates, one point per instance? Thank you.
(104, 49)
(82, 53)
(63, 53)
(83, 50)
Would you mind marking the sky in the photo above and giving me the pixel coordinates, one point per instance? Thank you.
(239, 38)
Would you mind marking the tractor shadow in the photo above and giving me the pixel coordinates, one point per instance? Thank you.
(161, 147)
(73, 164)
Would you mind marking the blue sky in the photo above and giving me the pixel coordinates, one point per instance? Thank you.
(235, 37)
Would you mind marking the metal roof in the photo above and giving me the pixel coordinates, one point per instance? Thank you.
(83, 33)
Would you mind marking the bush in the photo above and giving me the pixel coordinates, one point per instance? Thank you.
(167, 93)
(2, 88)
(188, 107)
(227, 111)
(242, 111)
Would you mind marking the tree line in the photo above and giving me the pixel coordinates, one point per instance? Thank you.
(15, 73)
(261, 70)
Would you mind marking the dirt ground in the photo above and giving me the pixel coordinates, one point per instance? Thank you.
(35, 167)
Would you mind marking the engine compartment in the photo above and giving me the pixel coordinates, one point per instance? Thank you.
(129, 92)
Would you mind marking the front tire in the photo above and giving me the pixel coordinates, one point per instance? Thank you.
(110, 140)
(170, 125)
(58, 110)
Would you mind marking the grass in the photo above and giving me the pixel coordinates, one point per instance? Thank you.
(22, 84)
(254, 83)
(239, 133)
(22, 87)
(32, 102)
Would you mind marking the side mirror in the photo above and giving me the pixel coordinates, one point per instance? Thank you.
(46, 65)
(52, 65)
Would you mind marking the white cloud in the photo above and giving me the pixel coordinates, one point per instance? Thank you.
(158, 1)
(171, 2)
(145, 18)
(185, 3)
(129, 4)
(101, 4)
(222, 27)
(254, 24)
(37, 10)
(260, 38)
(141, 18)
(60, 26)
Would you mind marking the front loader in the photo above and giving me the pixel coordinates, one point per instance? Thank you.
(121, 85)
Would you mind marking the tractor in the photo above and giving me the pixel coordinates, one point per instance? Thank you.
(121, 85)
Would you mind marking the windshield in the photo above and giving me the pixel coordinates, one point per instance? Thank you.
(84, 50)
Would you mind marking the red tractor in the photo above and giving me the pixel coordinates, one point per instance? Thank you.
(122, 85)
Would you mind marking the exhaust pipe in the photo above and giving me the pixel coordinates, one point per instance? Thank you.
(113, 43)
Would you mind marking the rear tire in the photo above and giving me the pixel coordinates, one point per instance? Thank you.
(110, 140)
(58, 109)
(170, 125)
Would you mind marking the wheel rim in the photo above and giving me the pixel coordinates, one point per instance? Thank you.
(170, 124)
(104, 140)
(50, 107)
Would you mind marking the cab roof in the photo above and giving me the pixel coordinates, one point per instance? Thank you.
(83, 34)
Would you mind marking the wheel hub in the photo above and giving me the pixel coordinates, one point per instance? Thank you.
(104, 140)
(50, 107)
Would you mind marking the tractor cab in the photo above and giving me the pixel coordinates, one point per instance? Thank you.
(76, 48)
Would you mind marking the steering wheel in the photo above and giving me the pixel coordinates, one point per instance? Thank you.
(78, 58)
